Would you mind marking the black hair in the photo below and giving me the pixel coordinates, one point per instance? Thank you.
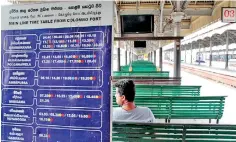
(126, 88)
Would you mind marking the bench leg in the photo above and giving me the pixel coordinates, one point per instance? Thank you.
(217, 121)
(168, 120)
(210, 121)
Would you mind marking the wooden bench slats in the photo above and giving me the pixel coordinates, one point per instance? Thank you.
(165, 107)
(214, 140)
(173, 132)
(142, 140)
(141, 73)
(145, 80)
(155, 90)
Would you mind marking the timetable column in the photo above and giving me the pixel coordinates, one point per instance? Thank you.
(69, 61)
(18, 75)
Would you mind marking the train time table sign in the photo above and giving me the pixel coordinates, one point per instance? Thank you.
(56, 66)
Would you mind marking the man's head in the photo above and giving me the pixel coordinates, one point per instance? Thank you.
(125, 91)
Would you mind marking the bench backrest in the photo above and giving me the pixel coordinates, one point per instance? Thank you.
(145, 80)
(140, 132)
(140, 69)
(155, 90)
(138, 73)
(181, 107)
(141, 62)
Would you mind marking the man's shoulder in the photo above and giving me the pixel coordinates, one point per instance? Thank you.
(143, 108)
(117, 113)
(117, 109)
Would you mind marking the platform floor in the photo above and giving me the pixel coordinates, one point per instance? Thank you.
(212, 69)
(209, 88)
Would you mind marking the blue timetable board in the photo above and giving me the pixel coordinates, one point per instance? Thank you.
(56, 68)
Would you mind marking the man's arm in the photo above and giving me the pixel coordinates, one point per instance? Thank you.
(115, 114)
(152, 117)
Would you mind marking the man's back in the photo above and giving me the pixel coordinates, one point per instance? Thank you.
(140, 114)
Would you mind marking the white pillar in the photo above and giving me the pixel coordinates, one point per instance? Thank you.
(227, 51)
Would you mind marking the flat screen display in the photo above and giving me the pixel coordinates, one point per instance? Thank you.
(137, 24)
(139, 44)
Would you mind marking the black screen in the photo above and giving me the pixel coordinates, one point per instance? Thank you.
(137, 23)
(139, 44)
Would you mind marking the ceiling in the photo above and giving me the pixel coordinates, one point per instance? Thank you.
(162, 10)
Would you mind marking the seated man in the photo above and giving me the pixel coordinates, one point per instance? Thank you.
(125, 94)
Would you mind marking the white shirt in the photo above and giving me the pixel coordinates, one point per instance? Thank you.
(139, 114)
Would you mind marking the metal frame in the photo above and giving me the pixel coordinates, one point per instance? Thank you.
(148, 38)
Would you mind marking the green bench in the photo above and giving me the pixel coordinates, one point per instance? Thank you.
(139, 68)
(155, 90)
(182, 107)
(147, 80)
(141, 62)
(140, 73)
(151, 132)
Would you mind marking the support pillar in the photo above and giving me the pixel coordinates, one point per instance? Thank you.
(135, 57)
(185, 55)
(151, 56)
(177, 50)
(155, 57)
(210, 60)
(126, 57)
(132, 57)
(204, 53)
(129, 57)
(160, 58)
(177, 17)
(227, 51)
(191, 52)
(118, 59)
(199, 51)
(128, 60)
(177, 59)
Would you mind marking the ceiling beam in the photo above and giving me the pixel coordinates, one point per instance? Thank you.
(185, 4)
(167, 12)
(198, 11)
(148, 38)
(154, 6)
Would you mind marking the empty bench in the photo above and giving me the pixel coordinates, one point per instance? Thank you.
(150, 80)
(155, 90)
(144, 68)
(182, 107)
(141, 62)
(151, 132)
(139, 73)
